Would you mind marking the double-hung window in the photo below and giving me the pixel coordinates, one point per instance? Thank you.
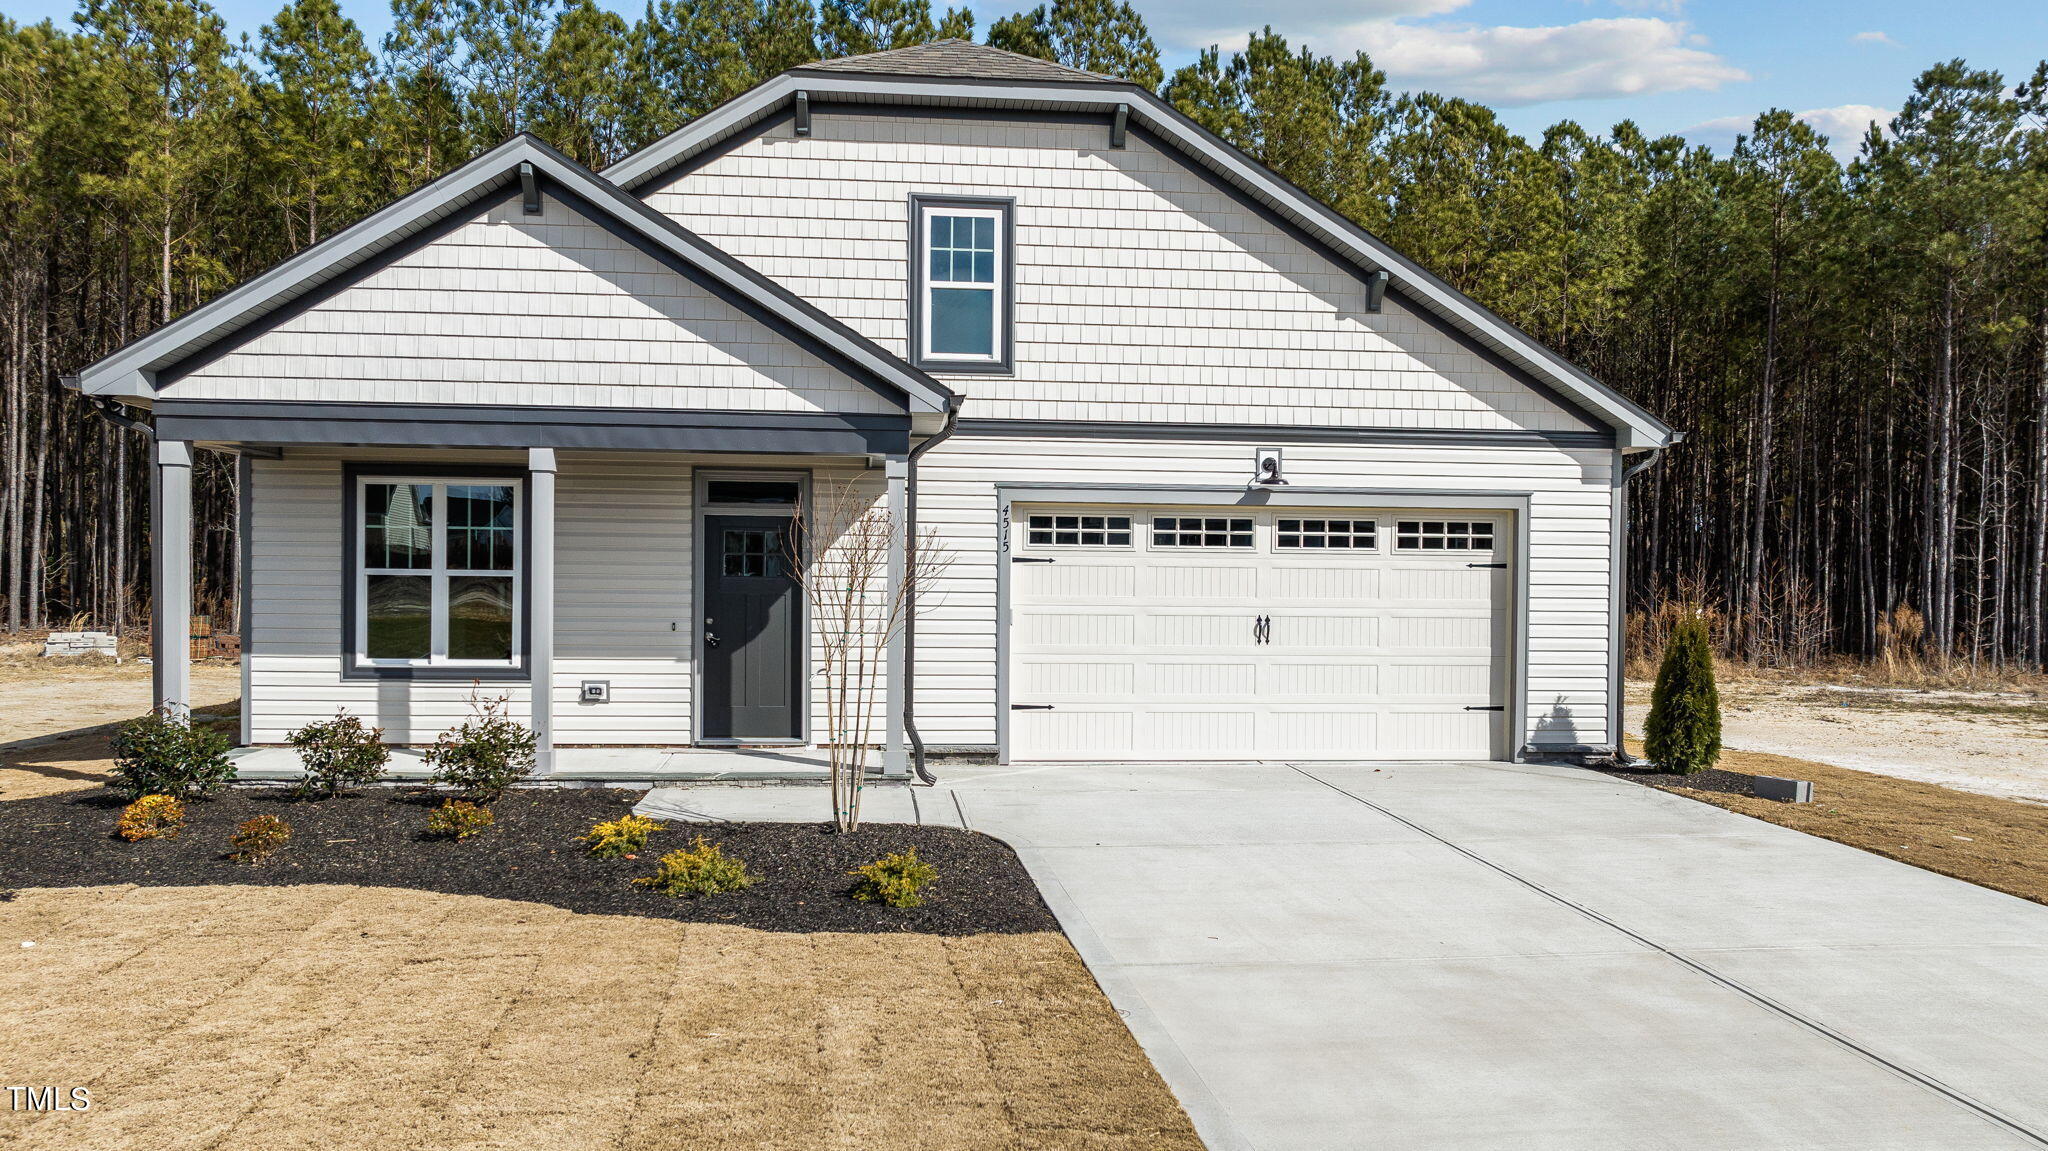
(961, 284)
(438, 577)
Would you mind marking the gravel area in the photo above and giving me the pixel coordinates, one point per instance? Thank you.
(378, 838)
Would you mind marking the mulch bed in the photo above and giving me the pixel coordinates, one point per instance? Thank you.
(1713, 779)
(378, 838)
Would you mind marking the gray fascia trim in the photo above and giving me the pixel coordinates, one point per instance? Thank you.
(1027, 492)
(1007, 363)
(1141, 430)
(449, 425)
(1638, 426)
(356, 469)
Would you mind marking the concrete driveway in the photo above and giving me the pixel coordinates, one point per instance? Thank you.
(1509, 956)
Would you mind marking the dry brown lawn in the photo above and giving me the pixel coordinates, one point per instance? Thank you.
(1998, 843)
(347, 1017)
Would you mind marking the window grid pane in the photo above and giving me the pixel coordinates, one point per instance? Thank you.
(1079, 530)
(421, 607)
(398, 526)
(1443, 535)
(479, 527)
(1201, 532)
(1342, 535)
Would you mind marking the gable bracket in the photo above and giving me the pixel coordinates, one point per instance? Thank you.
(1119, 128)
(1376, 291)
(803, 113)
(529, 189)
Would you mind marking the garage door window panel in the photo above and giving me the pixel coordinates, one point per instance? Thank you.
(1326, 535)
(1093, 531)
(1443, 536)
(1201, 532)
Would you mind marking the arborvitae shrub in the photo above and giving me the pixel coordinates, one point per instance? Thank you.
(339, 754)
(893, 880)
(1683, 732)
(703, 869)
(151, 817)
(616, 838)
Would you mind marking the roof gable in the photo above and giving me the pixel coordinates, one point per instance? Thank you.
(961, 59)
(298, 283)
(1228, 167)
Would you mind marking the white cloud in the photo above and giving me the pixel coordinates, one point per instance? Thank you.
(1509, 66)
(1873, 38)
(1843, 125)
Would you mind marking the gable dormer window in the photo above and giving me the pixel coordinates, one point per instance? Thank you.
(960, 307)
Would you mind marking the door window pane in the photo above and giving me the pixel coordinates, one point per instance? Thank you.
(400, 613)
(753, 554)
(398, 525)
(479, 617)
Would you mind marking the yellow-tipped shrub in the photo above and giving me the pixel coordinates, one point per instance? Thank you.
(617, 838)
(703, 869)
(893, 880)
(152, 817)
(459, 819)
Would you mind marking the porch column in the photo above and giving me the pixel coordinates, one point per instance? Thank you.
(170, 560)
(895, 752)
(540, 598)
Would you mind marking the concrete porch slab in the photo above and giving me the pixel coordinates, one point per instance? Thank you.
(606, 765)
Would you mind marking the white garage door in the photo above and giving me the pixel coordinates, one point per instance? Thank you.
(1227, 634)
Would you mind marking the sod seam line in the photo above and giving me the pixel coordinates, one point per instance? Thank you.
(1982, 1110)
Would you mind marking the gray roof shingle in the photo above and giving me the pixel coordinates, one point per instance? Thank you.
(960, 59)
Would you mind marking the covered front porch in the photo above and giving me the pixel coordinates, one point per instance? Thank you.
(641, 584)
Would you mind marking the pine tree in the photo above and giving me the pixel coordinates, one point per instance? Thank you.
(578, 106)
(1103, 36)
(419, 107)
(315, 104)
(505, 41)
(1683, 731)
(857, 27)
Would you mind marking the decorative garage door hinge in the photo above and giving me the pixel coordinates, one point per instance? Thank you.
(1030, 707)
(1485, 707)
(1486, 565)
(1030, 559)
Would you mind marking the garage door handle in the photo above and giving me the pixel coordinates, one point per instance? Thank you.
(1488, 707)
(1030, 707)
(1262, 629)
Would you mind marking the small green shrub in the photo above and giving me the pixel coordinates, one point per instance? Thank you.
(151, 817)
(258, 838)
(1683, 731)
(159, 754)
(459, 819)
(894, 880)
(617, 838)
(485, 754)
(701, 870)
(339, 754)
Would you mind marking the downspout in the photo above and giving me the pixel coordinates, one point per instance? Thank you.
(910, 593)
(1618, 702)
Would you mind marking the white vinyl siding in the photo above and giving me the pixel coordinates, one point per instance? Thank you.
(549, 310)
(1565, 684)
(623, 555)
(1143, 292)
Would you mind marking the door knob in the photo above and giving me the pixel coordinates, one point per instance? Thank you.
(710, 640)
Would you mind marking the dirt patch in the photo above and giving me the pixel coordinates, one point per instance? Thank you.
(1993, 743)
(1997, 843)
(338, 1017)
(45, 697)
(531, 853)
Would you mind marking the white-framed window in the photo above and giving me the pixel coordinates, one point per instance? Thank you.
(962, 282)
(1351, 535)
(1201, 532)
(1443, 536)
(1081, 530)
(438, 571)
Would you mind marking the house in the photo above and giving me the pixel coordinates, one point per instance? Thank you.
(1221, 476)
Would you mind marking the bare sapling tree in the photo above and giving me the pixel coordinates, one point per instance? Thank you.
(841, 550)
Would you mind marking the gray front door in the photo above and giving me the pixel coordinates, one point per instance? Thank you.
(753, 657)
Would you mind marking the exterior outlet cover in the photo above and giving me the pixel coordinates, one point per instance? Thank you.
(597, 691)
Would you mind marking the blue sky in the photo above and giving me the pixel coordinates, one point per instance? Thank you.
(1701, 67)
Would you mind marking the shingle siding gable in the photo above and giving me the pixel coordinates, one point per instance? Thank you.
(1144, 291)
(510, 309)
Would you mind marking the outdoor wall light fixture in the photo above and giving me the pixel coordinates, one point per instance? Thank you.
(1266, 467)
